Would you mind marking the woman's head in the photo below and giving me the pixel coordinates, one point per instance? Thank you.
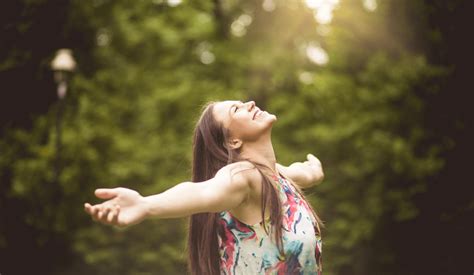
(224, 127)
(243, 122)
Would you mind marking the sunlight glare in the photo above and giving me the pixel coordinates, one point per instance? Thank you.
(323, 14)
(268, 5)
(314, 4)
(322, 9)
(316, 54)
(174, 3)
(370, 5)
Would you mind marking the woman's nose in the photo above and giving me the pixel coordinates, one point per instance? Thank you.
(250, 104)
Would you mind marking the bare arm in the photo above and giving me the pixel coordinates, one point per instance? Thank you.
(304, 174)
(228, 189)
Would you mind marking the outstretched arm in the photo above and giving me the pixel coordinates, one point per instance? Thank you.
(228, 189)
(304, 174)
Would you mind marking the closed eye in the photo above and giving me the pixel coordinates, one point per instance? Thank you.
(236, 106)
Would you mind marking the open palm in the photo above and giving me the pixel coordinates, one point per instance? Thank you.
(123, 207)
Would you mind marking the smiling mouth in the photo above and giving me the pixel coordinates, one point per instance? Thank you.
(255, 114)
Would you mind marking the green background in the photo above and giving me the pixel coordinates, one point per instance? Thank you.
(376, 93)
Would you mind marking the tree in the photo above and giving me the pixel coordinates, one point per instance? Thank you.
(345, 80)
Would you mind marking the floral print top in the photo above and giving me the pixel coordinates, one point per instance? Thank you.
(247, 249)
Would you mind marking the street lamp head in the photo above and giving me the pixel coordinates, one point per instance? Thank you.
(63, 61)
(63, 65)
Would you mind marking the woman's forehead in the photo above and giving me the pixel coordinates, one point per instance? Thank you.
(222, 110)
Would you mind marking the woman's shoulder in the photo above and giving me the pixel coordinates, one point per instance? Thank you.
(244, 170)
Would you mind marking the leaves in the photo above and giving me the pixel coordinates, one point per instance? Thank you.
(132, 107)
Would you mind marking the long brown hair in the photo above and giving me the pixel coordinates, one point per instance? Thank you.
(210, 154)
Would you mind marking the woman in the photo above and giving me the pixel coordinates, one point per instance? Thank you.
(248, 215)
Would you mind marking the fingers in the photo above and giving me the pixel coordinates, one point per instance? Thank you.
(92, 210)
(112, 217)
(106, 193)
(312, 159)
(87, 207)
(104, 213)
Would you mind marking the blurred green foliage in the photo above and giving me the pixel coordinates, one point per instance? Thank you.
(132, 105)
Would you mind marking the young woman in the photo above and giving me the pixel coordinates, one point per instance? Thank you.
(248, 215)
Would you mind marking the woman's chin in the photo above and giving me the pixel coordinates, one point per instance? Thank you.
(267, 117)
(272, 117)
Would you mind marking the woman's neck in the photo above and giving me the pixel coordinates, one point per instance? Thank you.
(260, 151)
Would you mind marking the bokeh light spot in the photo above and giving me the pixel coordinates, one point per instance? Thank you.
(239, 27)
(305, 78)
(174, 3)
(103, 37)
(316, 54)
(268, 5)
(207, 57)
(370, 5)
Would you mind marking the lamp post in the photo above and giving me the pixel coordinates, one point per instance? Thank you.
(63, 66)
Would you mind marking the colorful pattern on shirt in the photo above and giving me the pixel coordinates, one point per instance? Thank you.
(247, 249)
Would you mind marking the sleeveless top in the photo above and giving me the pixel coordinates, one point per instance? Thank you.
(248, 249)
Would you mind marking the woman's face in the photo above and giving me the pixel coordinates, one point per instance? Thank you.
(245, 121)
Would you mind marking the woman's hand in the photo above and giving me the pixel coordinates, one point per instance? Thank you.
(304, 174)
(315, 168)
(123, 207)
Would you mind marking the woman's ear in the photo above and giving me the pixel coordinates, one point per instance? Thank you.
(235, 143)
